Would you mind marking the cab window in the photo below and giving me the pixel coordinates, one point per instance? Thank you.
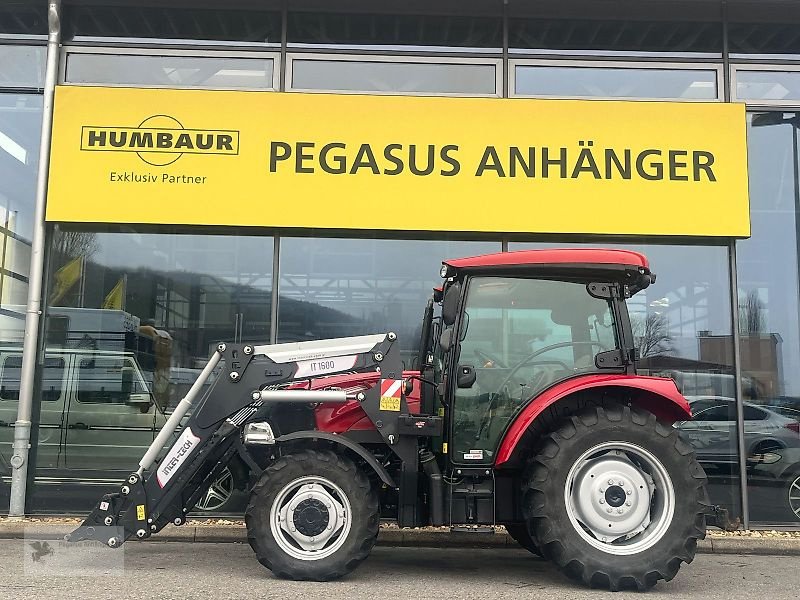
(521, 336)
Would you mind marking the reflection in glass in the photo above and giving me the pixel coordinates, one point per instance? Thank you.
(170, 71)
(22, 66)
(341, 287)
(607, 82)
(768, 319)
(767, 85)
(395, 31)
(20, 123)
(682, 327)
(616, 35)
(135, 317)
(395, 77)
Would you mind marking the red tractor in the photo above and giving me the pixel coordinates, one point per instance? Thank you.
(526, 412)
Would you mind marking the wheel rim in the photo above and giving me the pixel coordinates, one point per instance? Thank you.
(619, 498)
(794, 496)
(310, 518)
(218, 493)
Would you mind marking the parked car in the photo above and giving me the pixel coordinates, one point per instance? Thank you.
(772, 450)
(98, 416)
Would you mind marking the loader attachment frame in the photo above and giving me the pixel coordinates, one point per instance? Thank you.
(250, 380)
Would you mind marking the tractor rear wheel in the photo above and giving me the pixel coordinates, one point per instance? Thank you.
(519, 533)
(616, 499)
(313, 516)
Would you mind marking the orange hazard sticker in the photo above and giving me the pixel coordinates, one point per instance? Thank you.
(390, 394)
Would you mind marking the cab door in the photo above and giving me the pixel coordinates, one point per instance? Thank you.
(110, 416)
(519, 336)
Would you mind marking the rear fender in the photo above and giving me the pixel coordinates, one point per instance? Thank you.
(657, 395)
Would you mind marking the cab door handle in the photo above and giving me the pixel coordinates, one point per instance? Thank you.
(77, 426)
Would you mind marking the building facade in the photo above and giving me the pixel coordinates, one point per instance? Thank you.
(134, 306)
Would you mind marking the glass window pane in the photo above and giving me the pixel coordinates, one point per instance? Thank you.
(20, 123)
(777, 39)
(399, 31)
(768, 319)
(341, 287)
(682, 327)
(767, 85)
(608, 34)
(170, 71)
(395, 77)
(22, 66)
(138, 314)
(607, 82)
(168, 23)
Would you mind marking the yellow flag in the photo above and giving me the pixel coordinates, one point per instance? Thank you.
(65, 278)
(116, 297)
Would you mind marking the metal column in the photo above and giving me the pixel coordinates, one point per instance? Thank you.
(737, 365)
(22, 427)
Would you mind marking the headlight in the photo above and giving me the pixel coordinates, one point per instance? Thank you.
(258, 434)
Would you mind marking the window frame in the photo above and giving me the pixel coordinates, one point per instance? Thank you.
(72, 50)
(513, 63)
(496, 63)
(758, 102)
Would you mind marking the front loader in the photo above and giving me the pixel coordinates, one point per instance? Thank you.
(525, 411)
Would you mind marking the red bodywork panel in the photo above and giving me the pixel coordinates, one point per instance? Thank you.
(657, 394)
(338, 418)
(575, 256)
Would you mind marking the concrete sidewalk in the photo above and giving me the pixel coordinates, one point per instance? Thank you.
(391, 536)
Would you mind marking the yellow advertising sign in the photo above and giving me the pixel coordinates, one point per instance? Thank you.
(200, 157)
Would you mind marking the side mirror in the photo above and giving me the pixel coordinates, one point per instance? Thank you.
(450, 303)
(466, 376)
(143, 401)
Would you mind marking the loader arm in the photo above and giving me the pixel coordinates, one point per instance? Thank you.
(251, 379)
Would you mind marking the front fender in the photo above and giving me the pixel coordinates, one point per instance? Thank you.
(656, 394)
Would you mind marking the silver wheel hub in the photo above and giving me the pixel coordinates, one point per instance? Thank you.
(310, 518)
(611, 496)
(619, 497)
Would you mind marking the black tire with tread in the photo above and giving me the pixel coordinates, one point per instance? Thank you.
(519, 533)
(365, 515)
(552, 531)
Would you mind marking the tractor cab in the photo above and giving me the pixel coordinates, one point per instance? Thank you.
(516, 323)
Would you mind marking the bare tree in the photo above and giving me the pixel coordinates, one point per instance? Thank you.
(72, 244)
(652, 334)
(751, 314)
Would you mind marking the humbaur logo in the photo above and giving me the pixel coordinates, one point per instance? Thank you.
(159, 140)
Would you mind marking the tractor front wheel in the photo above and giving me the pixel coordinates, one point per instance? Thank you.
(313, 516)
(616, 499)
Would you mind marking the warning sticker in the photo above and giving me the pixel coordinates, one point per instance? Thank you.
(391, 390)
(104, 505)
(473, 455)
(140, 512)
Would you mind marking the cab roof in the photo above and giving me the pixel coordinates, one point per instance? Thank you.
(603, 264)
(580, 257)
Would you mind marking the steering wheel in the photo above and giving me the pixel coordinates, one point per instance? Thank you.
(527, 360)
(522, 363)
(488, 358)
